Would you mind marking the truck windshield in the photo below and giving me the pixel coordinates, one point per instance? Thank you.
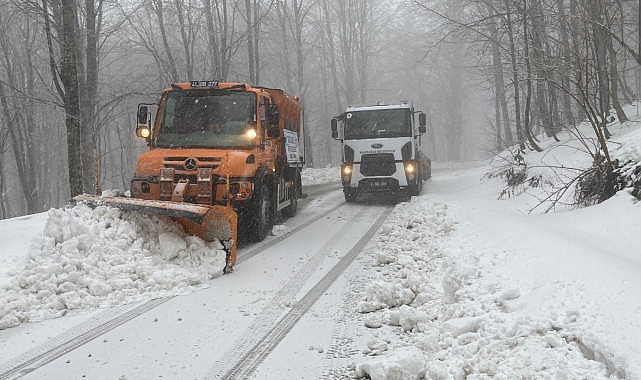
(198, 119)
(369, 124)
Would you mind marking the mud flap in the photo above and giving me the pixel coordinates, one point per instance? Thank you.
(207, 222)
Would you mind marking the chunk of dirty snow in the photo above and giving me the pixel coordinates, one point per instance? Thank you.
(460, 326)
(170, 245)
(409, 318)
(402, 363)
(280, 229)
(510, 294)
(405, 260)
(373, 321)
(451, 284)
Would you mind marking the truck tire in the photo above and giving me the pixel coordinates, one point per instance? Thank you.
(262, 219)
(350, 196)
(414, 190)
(291, 210)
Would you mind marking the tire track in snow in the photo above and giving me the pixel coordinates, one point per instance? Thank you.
(72, 339)
(342, 347)
(254, 354)
(281, 301)
(106, 321)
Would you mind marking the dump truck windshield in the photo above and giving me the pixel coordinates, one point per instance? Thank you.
(198, 119)
(368, 124)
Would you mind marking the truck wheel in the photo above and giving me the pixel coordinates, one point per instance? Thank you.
(415, 189)
(350, 196)
(291, 210)
(403, 196)
(263, 216)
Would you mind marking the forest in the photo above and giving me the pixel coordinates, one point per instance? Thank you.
(489, 74)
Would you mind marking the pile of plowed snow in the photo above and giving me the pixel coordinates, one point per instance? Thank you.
(436, 318)
(90, 258)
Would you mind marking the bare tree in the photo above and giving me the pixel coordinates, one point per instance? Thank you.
(222, 39)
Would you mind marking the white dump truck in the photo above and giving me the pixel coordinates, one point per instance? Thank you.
(381, 150)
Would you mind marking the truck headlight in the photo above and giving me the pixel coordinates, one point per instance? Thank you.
(409, 168)
(143, 132)
(346, 175)
(251, 133)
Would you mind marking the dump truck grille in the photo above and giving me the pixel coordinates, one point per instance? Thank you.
(378, 164)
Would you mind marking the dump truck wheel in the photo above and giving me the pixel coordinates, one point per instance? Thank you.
(263, 217)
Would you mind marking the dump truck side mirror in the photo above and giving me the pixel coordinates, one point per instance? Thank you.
(334, 128)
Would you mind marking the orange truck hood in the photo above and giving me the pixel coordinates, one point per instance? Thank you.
(234, 161)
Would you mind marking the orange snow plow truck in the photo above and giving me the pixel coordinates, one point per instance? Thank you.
(221, 156)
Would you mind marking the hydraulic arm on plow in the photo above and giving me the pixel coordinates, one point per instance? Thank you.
(221, 155)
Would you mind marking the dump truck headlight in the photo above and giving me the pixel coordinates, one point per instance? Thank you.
(251, 133)
(347, 170)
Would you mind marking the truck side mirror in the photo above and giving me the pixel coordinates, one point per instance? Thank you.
(143, 111)
(273, 131)
(273, 119)
(334, 128)
(143, 128)
(273, 115)
(422, 119)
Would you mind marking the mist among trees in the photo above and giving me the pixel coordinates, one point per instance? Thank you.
(489, 74)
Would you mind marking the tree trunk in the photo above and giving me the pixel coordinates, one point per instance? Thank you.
(614, 80)
(89, 100)
(565, 65)
(538, 61)
(329, 35)
(282, 11)
(499, 82)
(250, 42)
(69, 76)
(170, 65)
(186, 37)
(528, 74)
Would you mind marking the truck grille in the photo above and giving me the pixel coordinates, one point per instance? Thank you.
(378, 164)
(178, 163)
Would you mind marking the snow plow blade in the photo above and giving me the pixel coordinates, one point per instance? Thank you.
(207, 222)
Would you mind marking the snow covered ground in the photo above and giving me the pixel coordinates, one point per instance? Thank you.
(456, 283)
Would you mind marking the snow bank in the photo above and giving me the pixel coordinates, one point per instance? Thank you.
(317, 176)
(93, 258)
(524, 296)
(441, 322)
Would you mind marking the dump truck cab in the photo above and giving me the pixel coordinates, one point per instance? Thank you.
(380, 150)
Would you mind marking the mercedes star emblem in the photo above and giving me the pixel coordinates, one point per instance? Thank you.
(190, 163)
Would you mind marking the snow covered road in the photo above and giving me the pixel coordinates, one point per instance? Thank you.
(452, 285)
(206, 333)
